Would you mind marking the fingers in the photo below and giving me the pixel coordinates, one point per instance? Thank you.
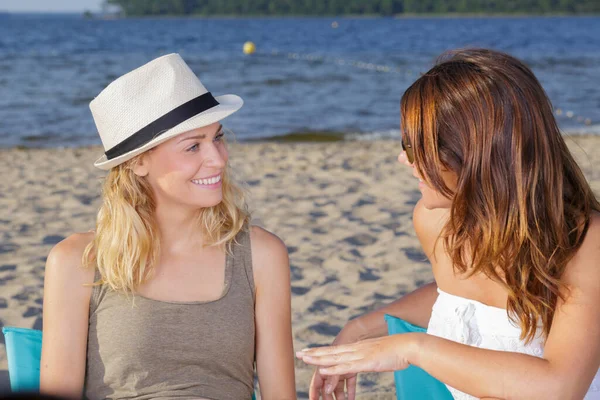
(332, 383)
(339, 391)
(332, 359)
(321, 387)
(325, 350)
(352, 367)
(337, 360)
(351, 387)
(327, 396)
(316, 385)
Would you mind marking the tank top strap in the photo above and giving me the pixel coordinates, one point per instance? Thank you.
(97, 292)
(242, 257)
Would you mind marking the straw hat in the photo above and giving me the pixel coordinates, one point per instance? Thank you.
(152, 104)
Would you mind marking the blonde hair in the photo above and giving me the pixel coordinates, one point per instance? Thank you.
(126, 244)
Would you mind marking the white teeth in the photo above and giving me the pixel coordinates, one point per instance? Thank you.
(209, 181)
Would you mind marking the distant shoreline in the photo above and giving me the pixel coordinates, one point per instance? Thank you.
(97, 15)
(351, 16)
(314, 137)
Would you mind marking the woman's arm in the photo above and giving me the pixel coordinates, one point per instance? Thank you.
(571, 354)
(274, 346)
(65, 318)
(414, 307)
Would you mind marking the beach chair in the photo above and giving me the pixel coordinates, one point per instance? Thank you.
(24, 351)
(414, 383)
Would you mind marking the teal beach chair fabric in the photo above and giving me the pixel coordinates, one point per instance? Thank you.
(414, 383)
(23, 350)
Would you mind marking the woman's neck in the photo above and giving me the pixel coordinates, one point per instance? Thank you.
(178, 227)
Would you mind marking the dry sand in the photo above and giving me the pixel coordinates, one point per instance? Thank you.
(344, 210)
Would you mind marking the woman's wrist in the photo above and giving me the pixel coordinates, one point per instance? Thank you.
(352, 332)
(413, 347)
(360, 329)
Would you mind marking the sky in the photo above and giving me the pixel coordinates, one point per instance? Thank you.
(49, 5)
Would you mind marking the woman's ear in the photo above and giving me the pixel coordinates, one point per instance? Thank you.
(141, 167)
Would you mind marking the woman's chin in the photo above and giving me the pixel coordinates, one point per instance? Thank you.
(435, 202)
(205, 202)
(208, 204)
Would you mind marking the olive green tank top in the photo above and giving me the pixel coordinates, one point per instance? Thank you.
(152, 349)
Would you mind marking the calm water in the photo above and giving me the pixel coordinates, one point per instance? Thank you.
(305, 76)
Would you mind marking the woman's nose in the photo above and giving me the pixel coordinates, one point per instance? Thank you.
(215, 158)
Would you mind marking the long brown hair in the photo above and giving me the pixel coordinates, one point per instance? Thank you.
(521, 207)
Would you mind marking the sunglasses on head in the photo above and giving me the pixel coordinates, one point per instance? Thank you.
(407, 147)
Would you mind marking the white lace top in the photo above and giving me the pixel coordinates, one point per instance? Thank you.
(476, 324)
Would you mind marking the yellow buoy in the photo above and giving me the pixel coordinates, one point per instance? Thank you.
(249, 48)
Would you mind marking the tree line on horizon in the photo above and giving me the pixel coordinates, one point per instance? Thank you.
(353, 7)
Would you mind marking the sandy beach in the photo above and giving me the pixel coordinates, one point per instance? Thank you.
(344, 209)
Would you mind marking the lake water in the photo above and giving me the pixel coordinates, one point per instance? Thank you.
(306, 76)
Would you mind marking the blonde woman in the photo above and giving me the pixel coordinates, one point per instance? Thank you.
(174, 295)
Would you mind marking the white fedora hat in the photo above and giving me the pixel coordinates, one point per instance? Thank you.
(152, 104)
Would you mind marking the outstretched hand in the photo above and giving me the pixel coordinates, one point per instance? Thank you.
(389, 353)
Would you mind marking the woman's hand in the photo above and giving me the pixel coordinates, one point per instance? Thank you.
(389, 353)
(326, 386)
(414, 307)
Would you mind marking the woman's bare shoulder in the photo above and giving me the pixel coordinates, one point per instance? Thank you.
(583, 267)
(65, 260)
(590, 247)
(265, 243)
(269, 252)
